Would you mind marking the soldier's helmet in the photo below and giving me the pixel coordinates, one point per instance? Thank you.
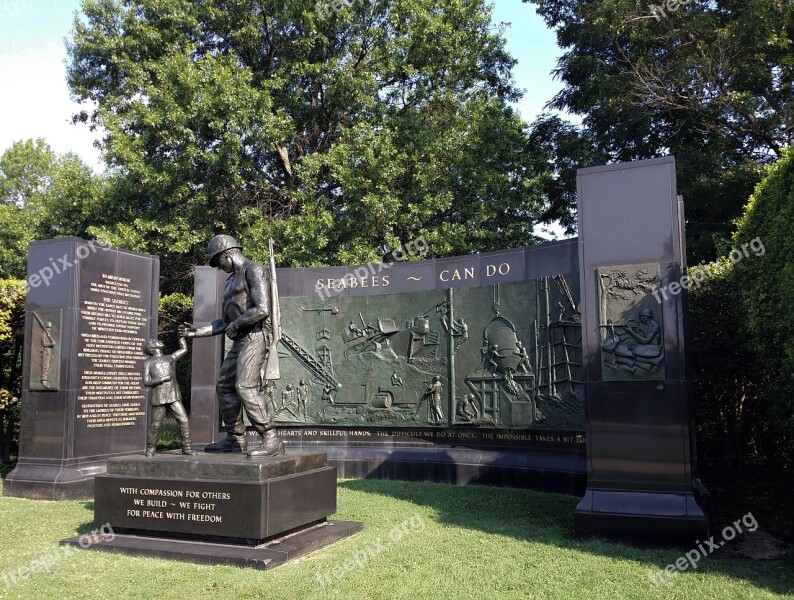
(646, 312)
(218, 244)
(150, 345)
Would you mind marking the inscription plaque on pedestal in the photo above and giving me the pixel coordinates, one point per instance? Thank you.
(89, 308)
(219, 508)
(216, 497)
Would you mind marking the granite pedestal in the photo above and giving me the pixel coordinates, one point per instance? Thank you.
(218, 508)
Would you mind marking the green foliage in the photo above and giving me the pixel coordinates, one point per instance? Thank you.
(767, 291)
(25, 174)
(74, 200)
(710, 83)
(729, 407)
(743, 352)
(17, 227)
(565, 148)
(12, 320)
(174, 309)
(342, 138)
(43, 195)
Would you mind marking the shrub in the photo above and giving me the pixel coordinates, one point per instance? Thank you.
(175, 309)
(12, 325)
(743, 355)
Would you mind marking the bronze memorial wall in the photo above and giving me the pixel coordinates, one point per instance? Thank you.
(555, 367)
(465, 369)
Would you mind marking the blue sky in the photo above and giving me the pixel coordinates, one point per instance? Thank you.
(35, 101)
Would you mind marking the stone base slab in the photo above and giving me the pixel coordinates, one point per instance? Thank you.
(265, 556)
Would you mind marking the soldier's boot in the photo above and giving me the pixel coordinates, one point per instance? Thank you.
(231, 443)
(271, 445)
(149, 451)
(187, 449)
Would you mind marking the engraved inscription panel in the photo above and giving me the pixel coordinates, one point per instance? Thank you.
(113, 324)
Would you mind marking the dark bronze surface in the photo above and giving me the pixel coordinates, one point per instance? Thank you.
(630, 323)
(382, 390)
(250, 319)
(45, 350)
(159, 374)
(479, 332)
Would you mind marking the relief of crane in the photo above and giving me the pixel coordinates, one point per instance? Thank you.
(369, 336)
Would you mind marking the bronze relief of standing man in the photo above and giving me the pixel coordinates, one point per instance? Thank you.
(245, 320)
(47, 344)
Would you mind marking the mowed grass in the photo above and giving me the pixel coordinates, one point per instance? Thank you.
(459, 542)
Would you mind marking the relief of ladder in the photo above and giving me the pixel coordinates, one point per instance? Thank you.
(314, 366)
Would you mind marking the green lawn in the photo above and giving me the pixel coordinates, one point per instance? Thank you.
(459, 542)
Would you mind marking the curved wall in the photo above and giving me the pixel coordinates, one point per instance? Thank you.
(464, 369)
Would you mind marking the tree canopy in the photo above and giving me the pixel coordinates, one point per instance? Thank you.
(710, 82)
(342, 136)
(42, 195)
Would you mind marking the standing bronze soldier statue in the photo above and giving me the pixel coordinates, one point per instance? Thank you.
(248, 320)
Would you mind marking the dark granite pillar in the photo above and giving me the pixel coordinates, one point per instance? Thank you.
(639, 455)
(89, 308)
(207, 357)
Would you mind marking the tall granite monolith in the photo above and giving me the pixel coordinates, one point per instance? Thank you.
(89, 308)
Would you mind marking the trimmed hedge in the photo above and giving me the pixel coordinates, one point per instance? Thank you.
(12, 324)
(743, 355)
(766, 286)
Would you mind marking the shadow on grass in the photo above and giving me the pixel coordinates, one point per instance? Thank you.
(548, 519)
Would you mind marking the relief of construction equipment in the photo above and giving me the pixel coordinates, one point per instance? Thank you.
(504, 355)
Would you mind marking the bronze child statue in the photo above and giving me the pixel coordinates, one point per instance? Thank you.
(159, 374)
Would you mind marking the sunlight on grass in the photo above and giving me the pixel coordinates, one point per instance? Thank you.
(474, 542)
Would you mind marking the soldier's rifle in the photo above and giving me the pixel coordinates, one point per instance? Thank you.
(272, 368)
